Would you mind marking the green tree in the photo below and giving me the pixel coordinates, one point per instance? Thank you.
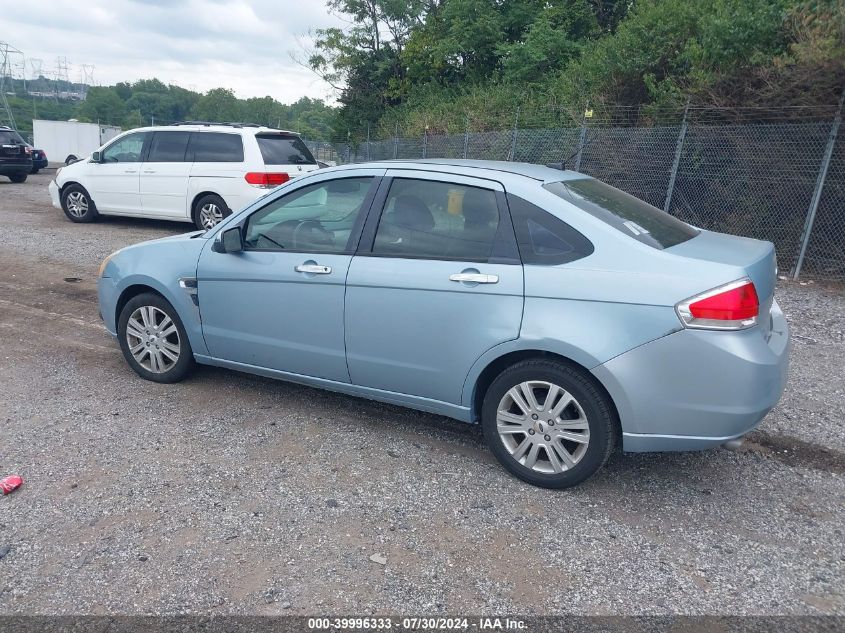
(218, 104)
(102, 105)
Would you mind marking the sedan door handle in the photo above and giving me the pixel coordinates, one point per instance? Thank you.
(315, 269)
(149, 171)
(131, 171)
(475, 278)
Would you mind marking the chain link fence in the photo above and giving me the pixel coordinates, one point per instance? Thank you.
(782, 181)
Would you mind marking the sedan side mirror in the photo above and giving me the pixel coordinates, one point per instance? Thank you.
(230, 241)
(96, 158)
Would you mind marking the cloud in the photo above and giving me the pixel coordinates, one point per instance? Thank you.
(198, 44)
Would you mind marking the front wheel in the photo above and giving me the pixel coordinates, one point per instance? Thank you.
(548, 423)
(18, 178)
(153, 339)
(210, 211)
(77, 204)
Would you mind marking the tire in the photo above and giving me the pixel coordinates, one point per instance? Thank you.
(158, 315)
(209, 210)
(70, 160)
(34, 170)
(77, 204)
(590, 416)
(18, 178)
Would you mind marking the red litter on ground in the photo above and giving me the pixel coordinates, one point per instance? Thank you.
(10, 483)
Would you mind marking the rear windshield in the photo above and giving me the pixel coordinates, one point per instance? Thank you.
(630, 215)
(282, 149)
(10, 137)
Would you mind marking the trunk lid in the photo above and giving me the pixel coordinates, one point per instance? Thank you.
(755, 257)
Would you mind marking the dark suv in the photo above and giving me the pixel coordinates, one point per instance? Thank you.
(15, 155)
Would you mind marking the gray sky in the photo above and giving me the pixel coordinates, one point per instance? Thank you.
(244, 45)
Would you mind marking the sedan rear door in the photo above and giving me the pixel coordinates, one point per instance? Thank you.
(436, 283)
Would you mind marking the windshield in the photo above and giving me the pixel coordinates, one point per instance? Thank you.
(624, 212)
(283, 149)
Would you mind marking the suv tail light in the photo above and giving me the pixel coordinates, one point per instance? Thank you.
(734, 306)
(265, 180)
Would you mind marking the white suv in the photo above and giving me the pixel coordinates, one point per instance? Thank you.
(193, 172)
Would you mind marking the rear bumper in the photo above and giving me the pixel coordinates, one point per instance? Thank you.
(695, 388)
(7, 169)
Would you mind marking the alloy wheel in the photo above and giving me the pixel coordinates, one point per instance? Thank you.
(210, 215)
(77, 204)
(543, 427)
(153, 339)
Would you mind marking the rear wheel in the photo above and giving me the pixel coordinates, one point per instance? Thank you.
(77, 204)
(153, 339)
(210, 211)
(548, 423)
(18, 177)
(71, 159)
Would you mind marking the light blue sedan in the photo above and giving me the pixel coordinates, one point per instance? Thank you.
(563, 315)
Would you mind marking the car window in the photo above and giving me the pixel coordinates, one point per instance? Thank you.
(317, 218)
(437, 220)
(127, 150)
(283, 149)
(216, 147)
(168, 147)
(543, 238)
(10, 137)
(632, 216)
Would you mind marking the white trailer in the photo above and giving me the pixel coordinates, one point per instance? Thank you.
(68, 141)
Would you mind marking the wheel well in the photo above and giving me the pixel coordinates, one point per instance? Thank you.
(130, 293)
(199, 196)
(496, 367)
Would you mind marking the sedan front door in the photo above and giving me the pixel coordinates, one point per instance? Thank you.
(436, 283)
(278, 304)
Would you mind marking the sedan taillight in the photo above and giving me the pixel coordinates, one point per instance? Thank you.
(734, 306)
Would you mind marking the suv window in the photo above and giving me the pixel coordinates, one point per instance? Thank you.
(127, 150)
(319, 218)
(283, 149)
(632, 216)
(543, 238)
(216, 147)
(168, 147)
(437, 220)
(10, 137)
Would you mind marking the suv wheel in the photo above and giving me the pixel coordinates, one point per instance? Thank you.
(18, 178)
(548, 423)
(210, 211)
(77, 204)
(153, 339)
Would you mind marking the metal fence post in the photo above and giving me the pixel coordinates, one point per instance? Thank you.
(425, 141)
(466, 137)
(582, 138)
(817, 192)
(681, 136)
(368, 142)
(513, 137)
(396, 142)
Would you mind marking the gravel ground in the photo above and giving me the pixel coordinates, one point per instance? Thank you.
(234, 494)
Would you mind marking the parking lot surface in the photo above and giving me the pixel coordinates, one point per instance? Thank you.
(231, 493)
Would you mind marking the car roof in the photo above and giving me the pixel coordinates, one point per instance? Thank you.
(195, 126)
(481, 168)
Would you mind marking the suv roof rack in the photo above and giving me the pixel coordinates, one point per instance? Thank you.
(209, 123)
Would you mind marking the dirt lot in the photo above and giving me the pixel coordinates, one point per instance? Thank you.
(235, 494)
